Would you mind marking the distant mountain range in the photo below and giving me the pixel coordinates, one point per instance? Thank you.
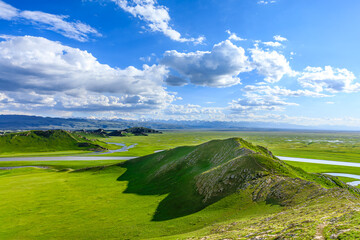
(24, 122)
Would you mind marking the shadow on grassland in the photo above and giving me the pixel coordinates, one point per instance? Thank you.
(188, 174)
(196, 177)
(143, 178)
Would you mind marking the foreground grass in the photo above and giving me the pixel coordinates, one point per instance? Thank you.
(91, 204)
(49, 204)
(60, 203)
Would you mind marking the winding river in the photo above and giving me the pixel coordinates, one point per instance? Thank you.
(123, 149)
(67, 158)
(327, 162)
(355, 183)
(10, 168)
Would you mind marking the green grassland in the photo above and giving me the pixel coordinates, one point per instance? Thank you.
(48, 204)
(154, 197)
(336, 146)
(321, 145)
(43, 204)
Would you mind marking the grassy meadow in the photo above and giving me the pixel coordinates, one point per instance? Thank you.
(48, 204)
(88, 199)
(329, 146)
(335, 146)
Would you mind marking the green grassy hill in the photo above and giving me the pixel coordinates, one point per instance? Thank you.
(198, 176)
(134, 131)
(44, 141)
(222, 189)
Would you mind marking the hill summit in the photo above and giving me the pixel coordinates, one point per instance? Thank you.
(195, 177)
(45, 141)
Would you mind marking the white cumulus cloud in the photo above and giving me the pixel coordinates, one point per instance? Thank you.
(234, 37)
(156, 16)
(75, 79)
(279, 38)
(217, 68)
(273, 44)
(271, 64)
(329, 79)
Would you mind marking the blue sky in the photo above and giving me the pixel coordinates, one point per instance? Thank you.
(231, 60)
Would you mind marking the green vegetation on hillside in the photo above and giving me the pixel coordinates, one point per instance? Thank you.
(44, 141)
(321, 145)
(134, 131)
(220, 189)
(197, 176)
(329, 146)
(99, 133)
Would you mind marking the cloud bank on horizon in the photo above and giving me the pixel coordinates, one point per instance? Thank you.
(233, 79)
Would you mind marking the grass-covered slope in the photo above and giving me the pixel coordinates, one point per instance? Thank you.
(92, 134)
(226, 189)
(198, 176)
(44, 141)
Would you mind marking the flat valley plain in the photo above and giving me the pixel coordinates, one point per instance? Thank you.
(334, 146)
(85, 199)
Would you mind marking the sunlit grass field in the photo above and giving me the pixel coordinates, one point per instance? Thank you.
(60, 203)
(52, 204)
